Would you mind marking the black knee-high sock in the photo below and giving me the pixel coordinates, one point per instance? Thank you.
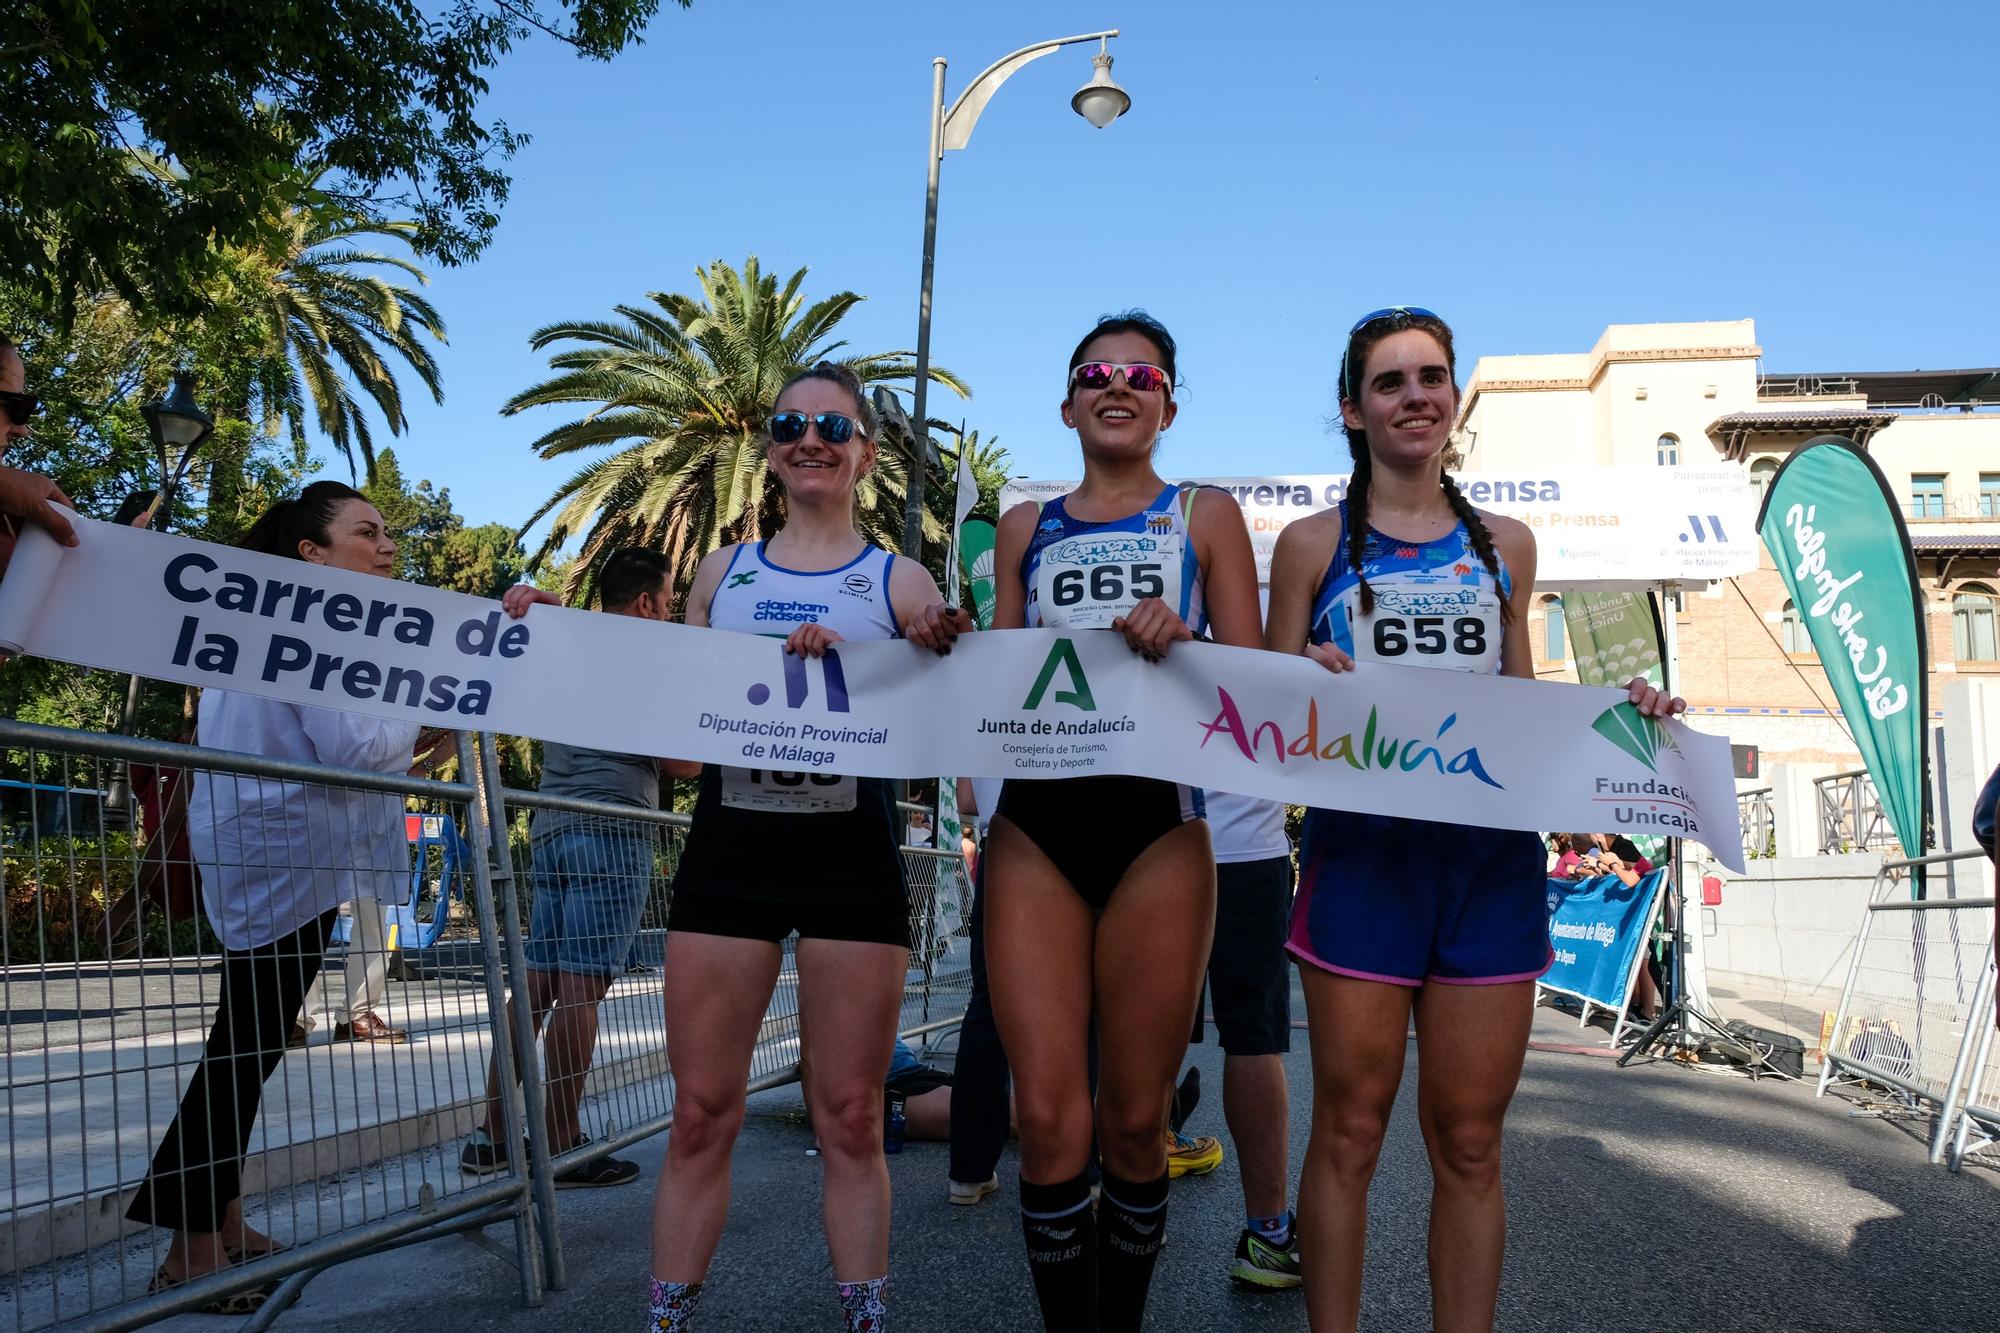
(1133, 1219)
(1062, 1253)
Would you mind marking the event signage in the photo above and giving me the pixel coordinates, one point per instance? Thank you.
(1613, 636)
(1836, 534)
(1594, 527)
(1597, 927)
(1485, 750)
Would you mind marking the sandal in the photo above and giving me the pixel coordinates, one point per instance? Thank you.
(236, 1303)
(249, 1256)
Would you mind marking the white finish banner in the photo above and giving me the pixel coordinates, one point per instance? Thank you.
(1594, 527)
(1388, 740)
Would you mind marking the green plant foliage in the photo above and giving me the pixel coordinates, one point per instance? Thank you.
(247, 99)
(679, 391)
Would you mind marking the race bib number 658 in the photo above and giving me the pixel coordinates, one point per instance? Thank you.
(1457, 628)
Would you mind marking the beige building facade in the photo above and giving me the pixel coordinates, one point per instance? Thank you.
(1664, 395)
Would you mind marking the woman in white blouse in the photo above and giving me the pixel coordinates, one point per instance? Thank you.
(277, 859)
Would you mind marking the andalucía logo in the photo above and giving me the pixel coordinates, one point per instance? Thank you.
(1637, 735)
(1063, 654)
(1373, 748)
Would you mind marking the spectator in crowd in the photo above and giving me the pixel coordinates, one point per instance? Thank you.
(23, 495)
(980, 1078)
(348, 997)
(1250, 990)
(917, 832)
(276, 859)
(1585, 855)
(592, 879)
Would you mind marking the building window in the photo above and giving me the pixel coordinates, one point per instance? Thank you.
(1927, 495)
(1555, 631)
(1989, 494)
(1669, 452)
(1792, 633)
(1975, 624)
(1761, 472)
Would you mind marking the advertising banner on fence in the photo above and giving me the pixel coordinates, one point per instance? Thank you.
(1838, 539)
(1597, 927)
(1614, 636)
(1484, 750)
(1594, 527)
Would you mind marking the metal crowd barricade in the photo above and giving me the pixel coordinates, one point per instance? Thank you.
(353, 1149)
(627, 1094)
(357, 1146)
(1915, 1012)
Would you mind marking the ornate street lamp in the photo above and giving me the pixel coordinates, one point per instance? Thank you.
(1100, 102)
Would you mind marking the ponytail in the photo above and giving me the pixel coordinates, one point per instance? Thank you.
(1357, 521)
(280, 529)
(1482, 538)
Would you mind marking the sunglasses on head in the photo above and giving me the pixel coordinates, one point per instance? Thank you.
(19, 406)
(1140, 377)
(1397, 313)
(790, 427)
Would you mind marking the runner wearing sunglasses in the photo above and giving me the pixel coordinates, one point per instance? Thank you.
(770, 853)
(1107, 915)
(1406, 572)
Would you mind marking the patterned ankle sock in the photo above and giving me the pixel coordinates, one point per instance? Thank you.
(1132, 1221)
(673, 1306)
(1061, 1231)
(1272, 1230)
(862, 1303)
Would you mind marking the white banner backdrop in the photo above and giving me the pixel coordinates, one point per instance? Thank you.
(1023, 703)
(1594, 527)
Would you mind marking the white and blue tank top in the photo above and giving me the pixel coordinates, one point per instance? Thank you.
(1436, 605)
(759, 596)
(1084, 575)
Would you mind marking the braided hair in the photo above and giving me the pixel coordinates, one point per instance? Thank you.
(1359, 344)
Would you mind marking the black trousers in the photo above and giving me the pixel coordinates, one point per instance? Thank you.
(198, 1171)
(979, 1078)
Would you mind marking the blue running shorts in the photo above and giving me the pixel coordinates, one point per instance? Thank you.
(1409, 901)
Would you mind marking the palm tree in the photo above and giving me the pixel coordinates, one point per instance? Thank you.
(682, 389)
(330, 316)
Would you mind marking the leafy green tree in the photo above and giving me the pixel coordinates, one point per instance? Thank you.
(434, 547)
(330, 314)
(246, 98)
(682, 390)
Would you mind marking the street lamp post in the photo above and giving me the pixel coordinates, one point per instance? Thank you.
(179, 428)
(1100, 102)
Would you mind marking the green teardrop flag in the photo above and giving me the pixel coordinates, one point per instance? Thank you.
(1831, 523)
(975, 553)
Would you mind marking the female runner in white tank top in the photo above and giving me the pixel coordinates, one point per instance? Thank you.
(769, 853)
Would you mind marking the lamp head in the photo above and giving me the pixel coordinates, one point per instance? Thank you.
(1101, 101)
(177, 420)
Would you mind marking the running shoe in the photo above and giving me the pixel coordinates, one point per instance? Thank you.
(966, 1195)
(1259, 1263)
(481, 1156)
(599, 1173)
(1195, 1156)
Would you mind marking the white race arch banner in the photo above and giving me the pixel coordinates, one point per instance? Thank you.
(1594, 527)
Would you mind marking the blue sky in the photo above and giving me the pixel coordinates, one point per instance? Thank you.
(1531, 172)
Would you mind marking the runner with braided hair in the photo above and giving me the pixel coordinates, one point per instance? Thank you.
(1405, 572)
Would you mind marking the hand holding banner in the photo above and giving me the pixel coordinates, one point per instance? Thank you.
(1483, 750)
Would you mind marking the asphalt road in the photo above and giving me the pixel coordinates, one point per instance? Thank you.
(1652, 1198)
